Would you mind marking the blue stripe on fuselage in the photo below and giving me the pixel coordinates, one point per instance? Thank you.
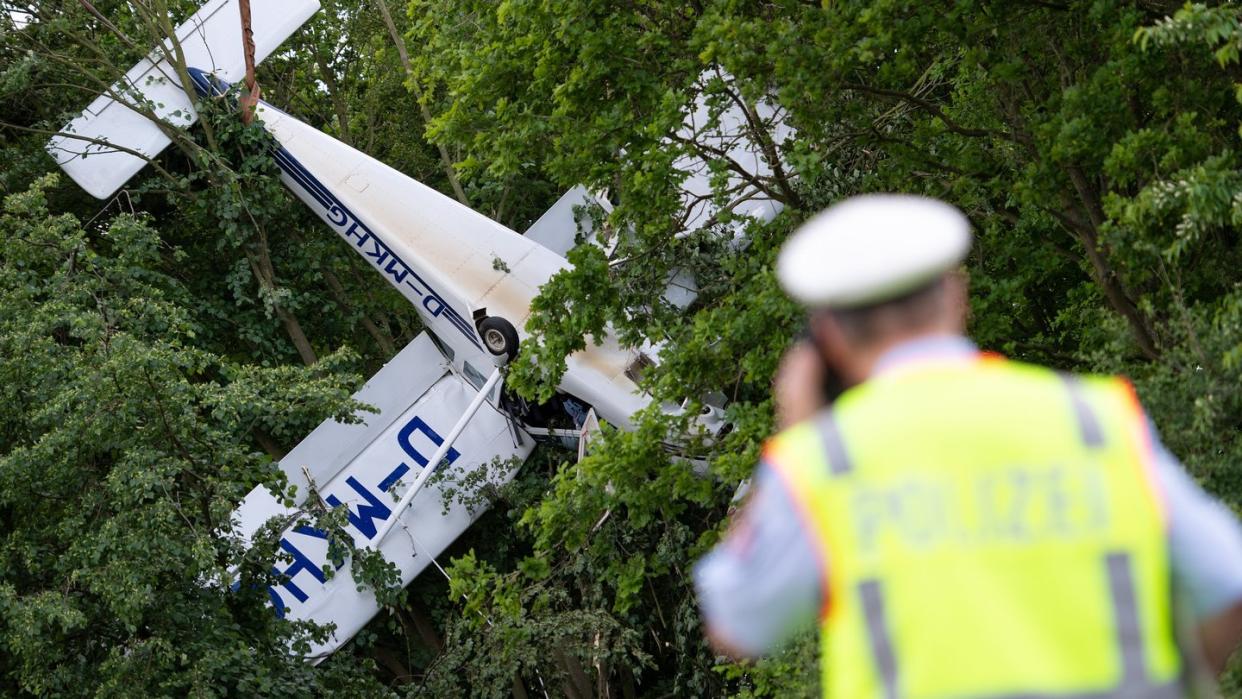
(208, 85)
(351, 225)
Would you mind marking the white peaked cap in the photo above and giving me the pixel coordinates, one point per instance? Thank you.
(872, 248)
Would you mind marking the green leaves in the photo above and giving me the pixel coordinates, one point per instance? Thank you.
(572, 306)
(1196, 23)
(1092, 145)
(123, 452)
(154, 359)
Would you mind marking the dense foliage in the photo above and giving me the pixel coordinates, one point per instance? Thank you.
(159, 351)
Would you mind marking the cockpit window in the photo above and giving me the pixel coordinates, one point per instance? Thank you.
(444, 348)
(634, 372)
(473, 375)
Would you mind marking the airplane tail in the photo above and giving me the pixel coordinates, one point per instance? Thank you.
(123, 128)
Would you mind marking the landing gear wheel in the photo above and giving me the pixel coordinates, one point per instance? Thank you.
(499, 336)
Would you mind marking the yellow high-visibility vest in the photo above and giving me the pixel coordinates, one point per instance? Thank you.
(989, 530)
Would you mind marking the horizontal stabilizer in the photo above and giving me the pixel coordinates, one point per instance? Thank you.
(210, 40)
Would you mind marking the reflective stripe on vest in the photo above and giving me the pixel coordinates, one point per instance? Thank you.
(1134, 682)
(989, 534)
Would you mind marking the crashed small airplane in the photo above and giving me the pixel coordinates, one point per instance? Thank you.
(440, 400)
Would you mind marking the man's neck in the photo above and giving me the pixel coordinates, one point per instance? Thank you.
(876, 358)
(921, 349)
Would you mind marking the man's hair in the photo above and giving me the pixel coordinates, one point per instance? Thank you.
(915, 310)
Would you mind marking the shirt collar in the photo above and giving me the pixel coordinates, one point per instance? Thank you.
(926, 349)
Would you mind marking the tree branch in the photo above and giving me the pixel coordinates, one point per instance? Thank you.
(104, 21)
(932, 109)
(733, 165)
(399, 41)
(764, 140)
(100, 142)
(1103, 272)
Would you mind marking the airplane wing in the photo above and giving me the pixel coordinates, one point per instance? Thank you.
(366, 468)
(440, 254)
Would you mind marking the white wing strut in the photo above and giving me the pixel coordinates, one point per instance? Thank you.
(436, 458)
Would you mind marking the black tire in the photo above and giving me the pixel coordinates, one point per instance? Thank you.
(499, 336)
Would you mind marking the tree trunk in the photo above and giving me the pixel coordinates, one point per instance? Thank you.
(423, 626)
(399, 41)
(401, 674)
(338, 100)
(294, 329)
(385, 343)
(519, 687)
(1105, 275)
(261, 267)
(269, 445)
(628, 688)
(579, 685)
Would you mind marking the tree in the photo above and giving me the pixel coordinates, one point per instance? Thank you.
(153, 361)
(1098, 171)
(124, 452)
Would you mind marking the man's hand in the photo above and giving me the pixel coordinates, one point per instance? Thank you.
(1221, 635)
(721, 645)
(798, 385)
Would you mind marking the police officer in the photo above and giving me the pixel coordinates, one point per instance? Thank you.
(961, 525)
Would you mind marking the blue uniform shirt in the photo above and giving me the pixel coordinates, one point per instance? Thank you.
(763, 581)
